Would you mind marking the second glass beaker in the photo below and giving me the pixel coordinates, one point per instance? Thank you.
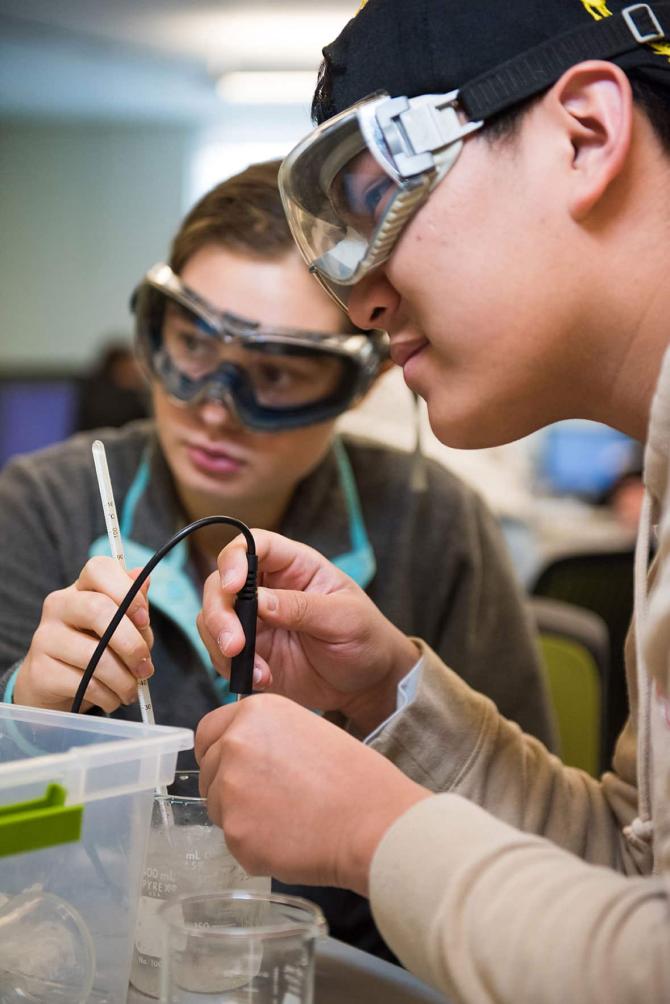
(239, 948)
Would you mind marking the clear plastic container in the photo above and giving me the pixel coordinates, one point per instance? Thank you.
(87, 847)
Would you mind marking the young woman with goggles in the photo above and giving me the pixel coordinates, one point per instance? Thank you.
(249, 364)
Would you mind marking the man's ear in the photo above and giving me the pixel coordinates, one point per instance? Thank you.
(595, 103)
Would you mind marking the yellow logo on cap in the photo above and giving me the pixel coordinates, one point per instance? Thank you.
(362, 4)
(598, 10)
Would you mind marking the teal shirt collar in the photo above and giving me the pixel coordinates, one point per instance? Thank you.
(359, 562)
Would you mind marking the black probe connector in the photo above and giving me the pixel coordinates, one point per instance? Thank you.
(246, 608)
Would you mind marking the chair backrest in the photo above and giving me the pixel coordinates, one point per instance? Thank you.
(575, 650)
(603, 583)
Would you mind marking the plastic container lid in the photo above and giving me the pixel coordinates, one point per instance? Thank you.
(91, 756)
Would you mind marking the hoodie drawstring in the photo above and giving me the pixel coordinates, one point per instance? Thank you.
(640, 832)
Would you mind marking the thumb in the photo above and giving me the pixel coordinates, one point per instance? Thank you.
(323, 615)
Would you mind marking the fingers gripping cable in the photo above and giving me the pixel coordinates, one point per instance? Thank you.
(246, 607)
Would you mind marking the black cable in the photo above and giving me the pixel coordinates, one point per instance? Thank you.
(246, 608)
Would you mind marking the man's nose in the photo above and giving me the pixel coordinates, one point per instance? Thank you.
(373, 302)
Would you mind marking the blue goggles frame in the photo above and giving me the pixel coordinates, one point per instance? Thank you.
(359, 354)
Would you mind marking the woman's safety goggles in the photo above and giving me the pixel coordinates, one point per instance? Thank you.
(351, 186)
(270, 378)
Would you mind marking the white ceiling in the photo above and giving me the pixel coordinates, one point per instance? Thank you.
(150, 58)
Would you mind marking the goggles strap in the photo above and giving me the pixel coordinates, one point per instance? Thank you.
(538, 68)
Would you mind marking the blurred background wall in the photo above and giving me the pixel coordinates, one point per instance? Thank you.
(114, 117)
(84, 207)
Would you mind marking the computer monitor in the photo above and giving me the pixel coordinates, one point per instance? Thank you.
(584, 458)
(36, 411)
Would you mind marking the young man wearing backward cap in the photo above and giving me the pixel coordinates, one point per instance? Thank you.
(501, 206)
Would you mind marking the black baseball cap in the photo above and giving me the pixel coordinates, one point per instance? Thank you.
(496, 53)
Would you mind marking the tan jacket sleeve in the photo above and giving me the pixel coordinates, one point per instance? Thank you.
(491, 915)
(452, 739)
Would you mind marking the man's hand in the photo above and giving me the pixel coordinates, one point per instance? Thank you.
(297, 797)
(321, 641)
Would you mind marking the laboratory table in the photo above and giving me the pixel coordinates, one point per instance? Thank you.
(345, 975)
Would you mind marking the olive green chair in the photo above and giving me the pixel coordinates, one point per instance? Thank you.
(602, 582)
(575, 650)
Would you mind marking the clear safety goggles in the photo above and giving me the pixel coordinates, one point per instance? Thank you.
(270, 378)
(353, 184)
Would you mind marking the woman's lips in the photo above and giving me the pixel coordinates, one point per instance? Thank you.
(402, 352)
(213, 461)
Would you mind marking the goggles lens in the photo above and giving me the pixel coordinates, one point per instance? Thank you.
(352, 185)
(271, 378)
(278, 376)
(337, 197)
(361, 193)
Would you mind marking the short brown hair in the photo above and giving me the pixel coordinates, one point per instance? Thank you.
(243, 213)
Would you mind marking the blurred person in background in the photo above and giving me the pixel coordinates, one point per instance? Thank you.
(249, 364)
(625, 496)
(115, 391)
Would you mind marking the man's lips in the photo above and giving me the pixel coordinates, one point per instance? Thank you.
(402, 351)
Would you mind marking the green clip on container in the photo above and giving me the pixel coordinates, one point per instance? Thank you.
(76, 794)
(39, 823)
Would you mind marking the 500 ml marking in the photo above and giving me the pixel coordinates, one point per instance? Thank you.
(157, 883)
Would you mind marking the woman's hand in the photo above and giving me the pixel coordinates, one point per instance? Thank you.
(72, 623)
(321, 641)
(297, 797)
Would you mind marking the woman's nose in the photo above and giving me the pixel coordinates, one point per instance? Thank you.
(215, 412)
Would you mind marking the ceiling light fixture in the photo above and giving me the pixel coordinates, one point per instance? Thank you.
(265, 87)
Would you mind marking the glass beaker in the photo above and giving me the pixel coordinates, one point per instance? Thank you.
(186, 853)
(46, 950)
(239, 947)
